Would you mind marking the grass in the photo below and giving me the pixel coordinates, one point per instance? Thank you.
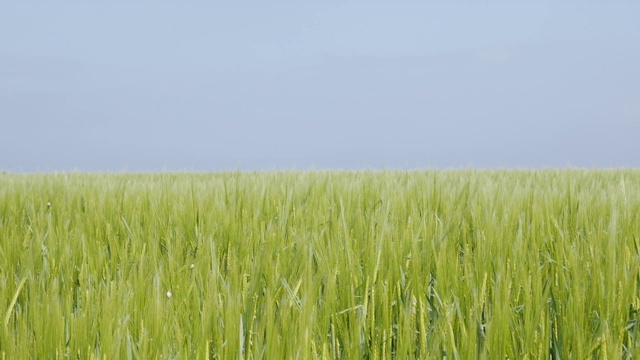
(285, 265)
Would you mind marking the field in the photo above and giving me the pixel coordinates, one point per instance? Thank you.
(303, 265)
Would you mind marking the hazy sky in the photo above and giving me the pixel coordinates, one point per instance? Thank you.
(205, 86)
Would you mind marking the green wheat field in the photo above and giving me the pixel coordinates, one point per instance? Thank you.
(460, 264)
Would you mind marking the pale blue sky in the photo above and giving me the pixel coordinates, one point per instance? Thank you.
(205, 86)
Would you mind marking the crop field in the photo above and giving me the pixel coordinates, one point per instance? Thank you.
(463, 264)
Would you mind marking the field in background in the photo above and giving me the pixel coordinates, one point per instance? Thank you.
(283, 265)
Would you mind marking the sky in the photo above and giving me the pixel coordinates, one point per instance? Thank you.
(143, 85)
